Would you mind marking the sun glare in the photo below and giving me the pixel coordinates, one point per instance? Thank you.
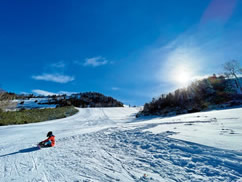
(182, 75)
(181, 66)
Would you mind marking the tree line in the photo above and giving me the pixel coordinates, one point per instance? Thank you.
(87, 99)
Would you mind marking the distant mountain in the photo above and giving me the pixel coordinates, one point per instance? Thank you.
(87, 99)
(210, 93)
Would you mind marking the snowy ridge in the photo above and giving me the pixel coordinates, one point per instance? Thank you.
(110, 144)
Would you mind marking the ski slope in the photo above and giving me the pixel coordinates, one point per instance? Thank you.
(110, 144)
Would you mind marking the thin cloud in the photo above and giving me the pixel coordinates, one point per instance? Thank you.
(42, 92)
(115, 88)
(67, 93)
(58, 78)
(95, 61)
(59, 64)
(25, 93)
(46, 93)
(78, 62)
(200, 77)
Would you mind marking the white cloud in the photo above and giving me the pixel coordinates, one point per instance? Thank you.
(46, 93)
(43, 92)
(95, 61)
(54, 78)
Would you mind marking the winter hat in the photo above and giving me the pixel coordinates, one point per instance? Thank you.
(49, 134)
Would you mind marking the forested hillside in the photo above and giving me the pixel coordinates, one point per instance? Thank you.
(210, 93)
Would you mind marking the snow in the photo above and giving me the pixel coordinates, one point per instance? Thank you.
(34, 103)
(220, 129)
(110, 144)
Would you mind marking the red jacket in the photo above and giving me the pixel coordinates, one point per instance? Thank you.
(52, 139)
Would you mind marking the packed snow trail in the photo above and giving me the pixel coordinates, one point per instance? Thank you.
(110, 144)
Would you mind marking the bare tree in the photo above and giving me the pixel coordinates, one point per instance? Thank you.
(233, 69)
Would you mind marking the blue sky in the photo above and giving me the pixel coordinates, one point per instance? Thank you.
(130, 50)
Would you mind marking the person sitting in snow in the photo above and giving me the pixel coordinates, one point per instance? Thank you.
(49, 142)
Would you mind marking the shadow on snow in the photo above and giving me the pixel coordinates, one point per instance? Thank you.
(27, 150)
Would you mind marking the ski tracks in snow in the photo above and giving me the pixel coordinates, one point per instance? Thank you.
(168, 159)
(117, 153)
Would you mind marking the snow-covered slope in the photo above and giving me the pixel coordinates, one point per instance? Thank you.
(110, 144)
(221, 129)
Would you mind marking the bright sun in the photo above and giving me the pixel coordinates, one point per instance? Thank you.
(182, 75)
(181, 66)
